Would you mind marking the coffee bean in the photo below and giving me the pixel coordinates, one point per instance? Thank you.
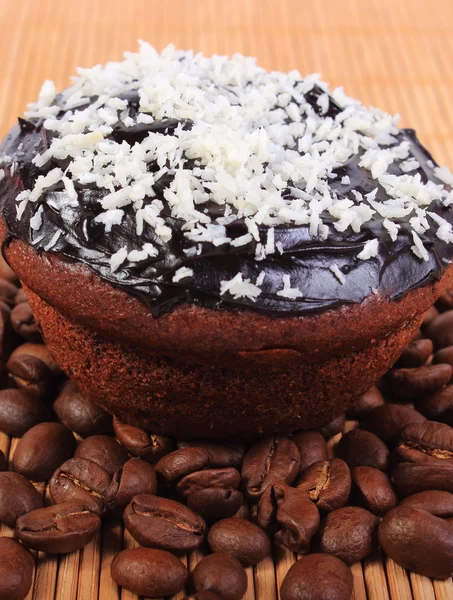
(104, 451)
(317, 577)
(179, 463)
(239, 538)
(3, 461)
(75, 410)
(163, 523)
(16, 570)
(438, 406)
(426, 442)
(327, 484)
(367, 402)
(214, 503)
(411, 478)
(435, 502)
(362, 448)
(17, 497)
(334, 427)
(349, 533)
(220, 574)
(372, 488)
(386, 421)
(19, 411)
(290, 515)
(137, 477)
(269, 461)
(43, 449)
(203, 596)
(416, 353)
(149, 572)
(142, 444)
(38, 351)
(440, 330)
(220, 455)
(210, 478)
(58, 529)
(418, 541)
(8, 337)
(312, 448)
(31, 374)
(24, 323)
(409, 384)
(20, 297)
(8, 291)
(85, 483)
(6, 272)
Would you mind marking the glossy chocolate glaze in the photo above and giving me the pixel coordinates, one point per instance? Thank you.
(392, 273)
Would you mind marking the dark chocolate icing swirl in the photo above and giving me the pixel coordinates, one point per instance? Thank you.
(392, 273)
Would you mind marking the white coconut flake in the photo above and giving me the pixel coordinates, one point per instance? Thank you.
(418, 248)
(53, 241)
(370, 250)
(260, 279)
(288, 291)
(117, 259)
(240, 288)
(346, 180)
(182, 273)
(338, 274)
(110, 218)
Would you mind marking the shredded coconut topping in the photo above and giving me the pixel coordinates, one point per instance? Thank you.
(241, 138)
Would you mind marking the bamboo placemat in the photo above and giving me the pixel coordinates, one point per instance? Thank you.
(395, 54)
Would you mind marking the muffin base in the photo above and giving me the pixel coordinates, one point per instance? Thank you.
(185, 401)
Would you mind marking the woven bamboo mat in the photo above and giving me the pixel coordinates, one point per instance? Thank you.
(395, 54)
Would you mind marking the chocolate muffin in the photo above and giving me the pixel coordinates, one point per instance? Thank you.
(214, 250)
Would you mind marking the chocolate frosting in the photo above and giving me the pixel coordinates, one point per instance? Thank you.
(392, 273)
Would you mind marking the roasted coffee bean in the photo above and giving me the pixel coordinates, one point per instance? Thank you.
(367, 402)
(31, 374)
(8, 337)
(42, 450)
(317, 577)
(416, 353)
(440, 330)
(137, 477)
(411, 478)
(445, 301)
(38, 351)
(349, 533)
(19, 411)
(418, 541)
(203, 596)
(85, 483)
(222, 575)
(362, 448)
(425, 442)
(220, 455)
(409, 384)
(327, 484)
(163, 523)
(312, 448)
(104, 451)
(438, 406)
(24, 323)
(214, 503)
(75, 410)
(142, 444)
(210, 478)
(20, 297)
(334, 427)
(435, 502)
(386, 421)
(149, 572)
(3, 461)
(372, 488)
(239, 538)
(444, 355)
(179, 463)
(16, 570)
(17, 497)
(58, 529)
(431, 314)
(266, 463)
(8, 291)
(290, 515)
(6, 272)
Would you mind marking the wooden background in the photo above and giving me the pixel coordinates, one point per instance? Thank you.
(395, 54)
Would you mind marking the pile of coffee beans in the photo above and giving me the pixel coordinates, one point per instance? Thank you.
(388, 482)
